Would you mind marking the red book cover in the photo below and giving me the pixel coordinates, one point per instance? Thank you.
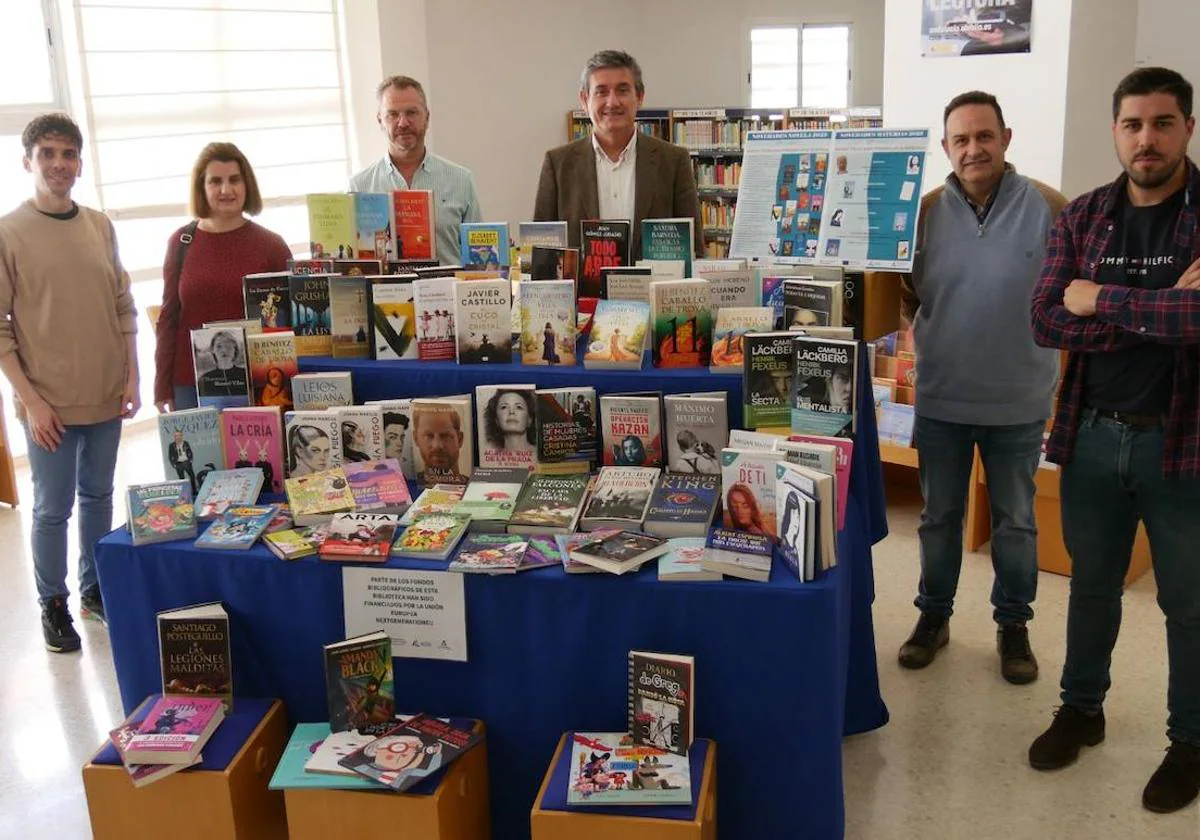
(363, 537)
(413, 215)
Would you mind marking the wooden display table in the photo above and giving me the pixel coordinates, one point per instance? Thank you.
(456, 810)
(226, 798)
(549, 823)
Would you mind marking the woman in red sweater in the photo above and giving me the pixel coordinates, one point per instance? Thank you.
(225, 247)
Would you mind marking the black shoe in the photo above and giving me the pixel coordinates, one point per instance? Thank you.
(931, 633)
(57, 627)
(1176, 782)
(92, 606)
(1017, 662)
(1059, 745)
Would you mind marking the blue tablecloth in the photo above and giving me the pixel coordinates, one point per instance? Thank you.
(783, 669)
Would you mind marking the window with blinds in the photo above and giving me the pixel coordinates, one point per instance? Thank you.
(162, 78)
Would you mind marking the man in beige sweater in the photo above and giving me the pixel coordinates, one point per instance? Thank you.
(67, 346)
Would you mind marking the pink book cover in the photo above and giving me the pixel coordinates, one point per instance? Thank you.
(175, 724)
(845, 451)
(253, 437)
(140, 774)
(377, 484)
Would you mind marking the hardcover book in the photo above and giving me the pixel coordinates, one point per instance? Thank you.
(160, 511)
(273, 363)
(554, 263)
(649, 776)
(603, 243)
(360, 537)
(219, 358)
(547, 322)
(491, 496)
(618, 336)
(378, 486)
(483, 319)
(316, 497)
(748, 481)
(566, 429)
(796, 512)
(683, 561)
(620, 498)
(738, 554)
(393, 328)
(175, 730)
(443, 440)
(662, 691)
(430, 743)
(544, 234)
(397, 442)
(490, 554)
(697, 429)
(331, 231)
(322, 390)
(441, 498)
(767, 373)
(359, 688)
(191, 445)
(433, 302)
(311, 322)
(254, 438)
(732, 325)
(484, 245)
(373, 226)
(265, 297)
(683, 505)
(414, 217)
(334, 747)
(313, 441)
(224, 489)
(622, 552)
(548, 504)
(291, 543)
(732, 288)
(631, 430)
(824, 392)
(362, 432)
(358, 268)
(431, 537)
(238, 528)
(669, 239)
(626, 283)
(349, 317)
(812, 303)
(682, 319)
(507, 426)
(194, 652)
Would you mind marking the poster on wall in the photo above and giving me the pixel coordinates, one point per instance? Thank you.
(975, 27)
(847, 198)
(872, 198)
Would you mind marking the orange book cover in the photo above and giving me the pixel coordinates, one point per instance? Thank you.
(413, 221)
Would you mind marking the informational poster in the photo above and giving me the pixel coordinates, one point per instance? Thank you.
(781, 194)
(975, 27)
(872, 198)
(423, 612)
(847, 198)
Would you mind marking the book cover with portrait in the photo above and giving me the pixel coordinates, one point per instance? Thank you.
(748, 484)
(222, 376)
(631, 429)
(312, 442)
(273, 363)
(824, 392)
(506, 425)
(443, 440)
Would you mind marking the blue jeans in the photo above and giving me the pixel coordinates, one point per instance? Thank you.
(1010, 458)
(1114, 479)
(185, 397)
(84, 461)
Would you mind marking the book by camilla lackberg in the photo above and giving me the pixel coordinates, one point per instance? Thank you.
(682, 317)
(767, 373)
(603, 243)
(824, 388)
(662, 692)
(194, 652)
(483, 321)
(697, 429)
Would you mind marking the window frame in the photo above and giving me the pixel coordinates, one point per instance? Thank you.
(14, 118)
(799, 24)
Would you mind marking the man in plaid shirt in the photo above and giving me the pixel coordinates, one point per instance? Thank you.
(1120, 290)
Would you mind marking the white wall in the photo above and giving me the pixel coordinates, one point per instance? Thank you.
(1031, 87)
(1167, 32)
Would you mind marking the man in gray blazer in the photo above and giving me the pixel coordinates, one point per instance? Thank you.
(618, 172)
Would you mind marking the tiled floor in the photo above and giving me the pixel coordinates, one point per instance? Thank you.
(951, 764)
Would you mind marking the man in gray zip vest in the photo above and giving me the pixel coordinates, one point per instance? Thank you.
(981, 380)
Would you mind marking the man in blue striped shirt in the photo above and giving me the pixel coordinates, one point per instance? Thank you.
(404, 118)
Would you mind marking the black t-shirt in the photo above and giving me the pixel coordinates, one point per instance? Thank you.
(1142, 255)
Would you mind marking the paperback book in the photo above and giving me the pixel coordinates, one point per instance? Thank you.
(490, 554)
(483, 319)
(626, 283)
(732, 325)
(441, 498)
(682, 319)
(273, 363)
(311, 322)
(603, 243)
(362, 432)
(393, 325)
(435, 743)
(797, 516)
(141, 774)
(484, 245)
(547, 322)
(265, 297)
(254, 438)
(697, 429)
(444, 450)
(748, 481)
(542, 551)
(683, 505)
(491, 496)
(349, 317)
(360, 537)
(548, 504)
(359, 688)
(554, 263)
(622, 552)
(313, 440)
(331, 230)
(194, 652)
(507, 425)
(191, 446)
(238, 528)
(811, 303)
(631, 429)
(397, 440)
(648, 775)
(373, 226)
(618, 336)
(569, 542)
(293, 543)
(316, 497)
(414, 216)
(822, 519)
(432, 537)
(378, 486)
(224, 489)
(566, 429)
(319, 391)
(433, 303)
(683, 561)
(175, 730)
(738, 554)
(219, 358)
(620, 498)
(544, 234)
(160, 512)
(732, 288)
(669, 239)
(662, 691)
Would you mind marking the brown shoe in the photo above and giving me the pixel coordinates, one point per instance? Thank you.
(931, 634)
(1059, 745)
(1176, 782)
(1017, 662)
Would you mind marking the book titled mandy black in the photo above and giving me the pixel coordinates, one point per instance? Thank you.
(662, 700)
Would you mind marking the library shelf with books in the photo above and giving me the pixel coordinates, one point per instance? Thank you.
(653, 121)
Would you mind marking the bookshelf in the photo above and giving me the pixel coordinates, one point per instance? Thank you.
(715, 137)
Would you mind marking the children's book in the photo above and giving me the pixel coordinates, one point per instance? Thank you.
(316, 497)
(358, 682)
(430, 743)
(160, 512)
(662, 692)
(224, 489)
(360, 537)
(431, 537)
(683, 561)
(608, 768)
(239, 527)
(378, 486)
(490, 554)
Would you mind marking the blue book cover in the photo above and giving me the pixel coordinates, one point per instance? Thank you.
(223, 489)
(306, 740)
(160, 512)
(239, 527)
(669, 239)
(683, 500)
(191, 445)
(373, 226)
(484, 245)
(738, 554)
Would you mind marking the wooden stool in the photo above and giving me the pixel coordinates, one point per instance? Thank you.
(601, 824)
(224, 798)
